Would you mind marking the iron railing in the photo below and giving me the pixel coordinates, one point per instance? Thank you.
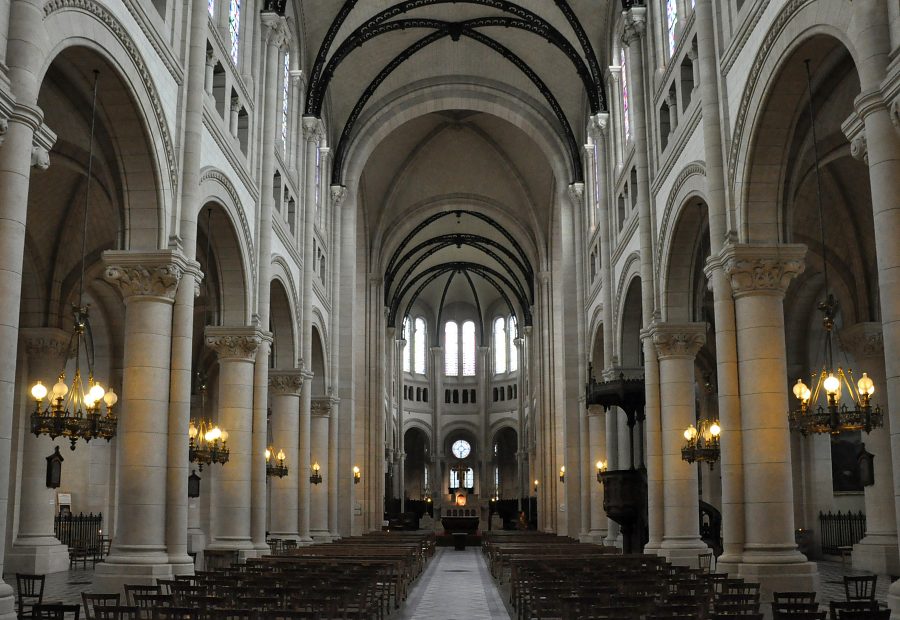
(841, 530)
(81, 531)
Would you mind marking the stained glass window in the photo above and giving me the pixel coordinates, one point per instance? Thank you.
(626, 123)
(234, 28)
(597, 196)
(468, 349)
(285, 87)
(451, 349)
(419, 346)
(500, 345)
(405, 354)
(671, 23)
(211, 5)
(468, 479)
(513, 347)
(318, 182)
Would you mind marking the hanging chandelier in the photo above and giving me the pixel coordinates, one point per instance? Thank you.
(821, 409)
(702, 446)
(278, 468)
(73, 411)
(207, 444)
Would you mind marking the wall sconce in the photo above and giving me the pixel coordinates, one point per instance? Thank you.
(316, 477)
(278, 468)
(601, 468)
(562, 473)
(356, 474)
(536, 484)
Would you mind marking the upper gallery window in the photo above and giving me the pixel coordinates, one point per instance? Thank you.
(626, 123)
(285, 88)
(500, 345)
(234, 28)
(671, 24)
(451, 349)
(419, 346)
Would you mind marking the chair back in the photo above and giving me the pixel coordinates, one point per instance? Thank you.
(57, 611)
(131, 590)
(116, 612)
(860, 588)
(30, 586)
(794, 597)
(704, 562)
(90, 600)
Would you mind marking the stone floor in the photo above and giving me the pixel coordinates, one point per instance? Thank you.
(456, 585)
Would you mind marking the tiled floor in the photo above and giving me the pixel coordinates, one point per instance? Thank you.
(456, 585)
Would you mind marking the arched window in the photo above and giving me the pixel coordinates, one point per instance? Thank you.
(468, 349)
(451, 349)
(499, 345)
(211, 6)
(626, 123)
(405, 354)
(468, 480)
(234, 29)
(671, 23)
(513, 332)
(318, 184)
(419, 346)
(285, 102)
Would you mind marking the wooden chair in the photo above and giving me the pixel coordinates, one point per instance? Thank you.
(116, 612)
(229, 614)
(89, 601)
(134, 589)
(29, 592)
(860, 588)
(879, 614)
(57, 611)
(799, 614)
(175, 613)
(839, 608)
(705, 561)
(794, 597)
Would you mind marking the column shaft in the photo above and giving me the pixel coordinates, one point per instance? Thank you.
(598, 452)
(304, 460)
(318, 509)
(285, 386)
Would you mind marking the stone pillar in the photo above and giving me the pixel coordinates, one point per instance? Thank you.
(318, 501)
(210, 66)
(236, 349)
(521, 470)
(598, 452)
(400, 454)
(677, 346)
(672, 102)
(285, 387)
(706, 74)
(304, 460)
(148, 283)
(340, 482)
(877, 552)
(760, 275)
(612, 449)
(35, 549)
(585, 471)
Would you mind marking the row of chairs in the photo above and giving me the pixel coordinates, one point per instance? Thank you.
(860, 603)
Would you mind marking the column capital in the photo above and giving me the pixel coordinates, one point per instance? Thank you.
(338, 194)
(863, 340)
(672, 99)
(598, 126)
(635, 24)
(47, 343)
(854, 129)
(210, 58)
(519, 341)
(234, 343)
(677, 340)
(320, 407)
(313, 129)
(576, 194)
(595, 410)
(275, 30)
(287, 382)
(762, 269)
(42, 143)
(147, 275)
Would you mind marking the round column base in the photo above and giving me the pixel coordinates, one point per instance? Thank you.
(877, 554)
(7, 602)
(111, 577)
(781, 577)
(37, 557)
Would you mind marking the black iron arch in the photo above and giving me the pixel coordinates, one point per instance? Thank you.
(436, 244)
(376, 27)
(494, 277)
(529, 271)
(455, 30)
(440, 312)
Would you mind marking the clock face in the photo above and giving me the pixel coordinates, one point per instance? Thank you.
(461, 448)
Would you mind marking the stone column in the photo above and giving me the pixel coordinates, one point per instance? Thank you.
(677, 346)
(341, 478)
(585, 471)
(35, 549)
(598, 452)
(236, 349)
(259, 438)
(148, 283)
(521, 471)
(285, 387)
(304, 460)
(760, 275)
(400, 454)
(612, 449)
(877, 552)
(318, 508)
(706, 75)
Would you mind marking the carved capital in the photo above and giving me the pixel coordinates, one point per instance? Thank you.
(48, 344)
(595, 410)
(758, 269)
(677, 340)
(672, 99)
(320, 407)
(859, 148)
(145, 274)
(576, 193)
(210, 58)
(894, 111)
(43, 142)
(313, 129)
(4, 127)
(40, 157)
(275, 30)
(863, 340)
(598, 126)
(287, 382)
(234, 343)
(338, 193)
(635, 24)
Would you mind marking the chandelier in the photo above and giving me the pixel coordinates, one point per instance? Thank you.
(72, 411)
(278, 468)
(702, 445)
(207, 444)
(833, 416)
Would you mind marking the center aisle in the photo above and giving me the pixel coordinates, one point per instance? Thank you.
(455, 586)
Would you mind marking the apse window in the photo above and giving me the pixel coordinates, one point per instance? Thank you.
(461, 448)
